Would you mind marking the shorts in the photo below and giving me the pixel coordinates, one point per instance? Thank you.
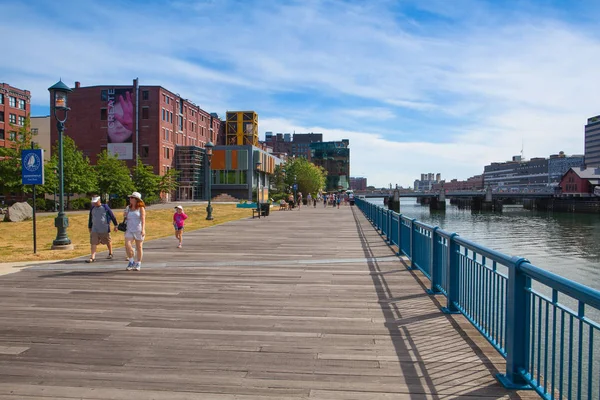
(134, 236)
(97, 238)
(178, 228)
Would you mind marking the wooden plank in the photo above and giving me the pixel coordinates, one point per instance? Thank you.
(303, 304)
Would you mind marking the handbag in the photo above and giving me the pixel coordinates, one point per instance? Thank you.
(122, 226)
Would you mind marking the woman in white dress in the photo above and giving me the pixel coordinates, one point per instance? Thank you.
(135, 214)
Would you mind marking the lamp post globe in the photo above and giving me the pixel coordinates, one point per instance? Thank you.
(209, 152)
(59, 93)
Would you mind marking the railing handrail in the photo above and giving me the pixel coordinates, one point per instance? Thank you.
(571, 288)
(505, 307)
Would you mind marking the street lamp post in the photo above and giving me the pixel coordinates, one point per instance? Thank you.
(209, 149)
(59, 93)
(258, 164)
(295, 189)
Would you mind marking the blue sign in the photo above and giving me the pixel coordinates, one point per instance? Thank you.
(295, 187)
(32, 167)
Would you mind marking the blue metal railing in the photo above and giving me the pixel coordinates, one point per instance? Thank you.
(543, 324)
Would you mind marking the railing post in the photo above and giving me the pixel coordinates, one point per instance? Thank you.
(452, 277)
(389, 235)
(413, 243)
(517, 327)
(399, 235)
(434, 266)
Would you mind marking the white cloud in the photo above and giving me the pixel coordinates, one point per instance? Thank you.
(451, 93)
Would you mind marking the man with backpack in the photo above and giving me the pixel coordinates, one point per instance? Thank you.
(99, 225)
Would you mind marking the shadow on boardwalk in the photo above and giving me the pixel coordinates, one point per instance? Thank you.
(302, 304)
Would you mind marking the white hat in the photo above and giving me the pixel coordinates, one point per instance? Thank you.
(181, 208)
(137, 195)
(95, 199)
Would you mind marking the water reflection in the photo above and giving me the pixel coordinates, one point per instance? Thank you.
(563, 243)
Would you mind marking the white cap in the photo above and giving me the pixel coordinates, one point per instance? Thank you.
(181, 208)
(95, 199)
(137, 195)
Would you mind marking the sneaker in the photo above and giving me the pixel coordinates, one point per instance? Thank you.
(179, 246)
(137, 267)
(130, 266)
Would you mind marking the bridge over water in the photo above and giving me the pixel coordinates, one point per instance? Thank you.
(305, 304)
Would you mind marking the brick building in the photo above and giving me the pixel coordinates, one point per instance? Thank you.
(15, 106)
(580, 181)
(149, 121)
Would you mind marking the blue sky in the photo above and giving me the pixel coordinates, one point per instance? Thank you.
(417, 86)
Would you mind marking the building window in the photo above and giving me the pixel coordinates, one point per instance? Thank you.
(1, 134)
(12, 118)
(167, 99)
(12, 101)
(145, 151)
(21, 120)
(145, 113)
(1, 98)
(145, 95)
(21, 104)
(12, 136)
(1, 116)
(103, 114)
(104, 95)
(34, 131)
(180, 124)
(170, 117)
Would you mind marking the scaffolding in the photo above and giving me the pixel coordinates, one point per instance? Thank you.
(190, 163)
(241, 128)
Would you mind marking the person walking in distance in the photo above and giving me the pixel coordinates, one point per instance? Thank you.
(135, 214)
(308, 199)
(178, 221)
(99, 226)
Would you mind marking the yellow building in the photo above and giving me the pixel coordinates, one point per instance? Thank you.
(241, 128)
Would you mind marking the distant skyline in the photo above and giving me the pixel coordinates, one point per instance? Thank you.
(417, 86)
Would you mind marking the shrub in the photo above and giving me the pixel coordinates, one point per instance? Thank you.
(80, 204)
(118, 202)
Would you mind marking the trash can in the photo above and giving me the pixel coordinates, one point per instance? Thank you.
(265, 208)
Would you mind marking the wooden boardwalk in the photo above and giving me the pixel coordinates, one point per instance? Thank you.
(302, 304)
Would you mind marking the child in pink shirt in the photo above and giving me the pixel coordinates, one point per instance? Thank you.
(178, 221)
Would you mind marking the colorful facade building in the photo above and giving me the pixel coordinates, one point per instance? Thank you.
(15, 107)
(240, 171)
(241, 128)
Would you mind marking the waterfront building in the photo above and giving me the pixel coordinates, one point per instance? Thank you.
(592, 142)
(334, 157)
(15, 106)
(517, 174)
(472, 183)
(295, 145)
(559, 164)
(427, 181)
(580, 181)
(358, 183)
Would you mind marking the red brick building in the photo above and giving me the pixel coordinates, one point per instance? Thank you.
(580, 181)
(14, 108)
(149, 121)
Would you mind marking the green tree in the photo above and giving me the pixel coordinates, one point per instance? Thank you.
(113, 175)
(309, 177)
(278, 184)
(168, 182)
(146, 181)
(80, 176)
(10, 159)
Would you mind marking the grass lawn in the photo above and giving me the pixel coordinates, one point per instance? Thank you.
(17, 237)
